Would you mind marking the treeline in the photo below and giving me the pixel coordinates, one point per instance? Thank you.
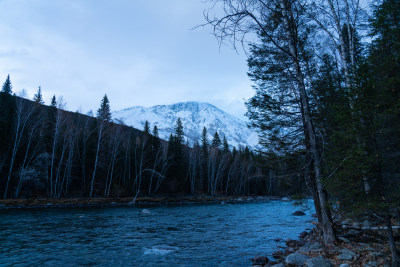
(46, 151)
(327, 88)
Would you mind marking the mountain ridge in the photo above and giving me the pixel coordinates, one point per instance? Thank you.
(194, 116)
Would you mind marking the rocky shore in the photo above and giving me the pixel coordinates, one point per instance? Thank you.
(360, 243)
(111, 202)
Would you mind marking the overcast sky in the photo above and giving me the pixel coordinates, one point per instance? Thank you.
(139, 52)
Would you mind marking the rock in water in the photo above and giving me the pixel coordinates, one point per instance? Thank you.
(318, 262)
(298, 213)
(278, 254)
(293, 243)
(145, 211)
(303, 235)
(259, 260)
(296, 259)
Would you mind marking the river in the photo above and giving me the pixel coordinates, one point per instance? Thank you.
(187, 235)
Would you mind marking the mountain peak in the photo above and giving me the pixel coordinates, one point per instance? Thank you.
(194, 116)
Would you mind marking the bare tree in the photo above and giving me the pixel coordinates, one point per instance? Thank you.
(23, 115)
(115, 142)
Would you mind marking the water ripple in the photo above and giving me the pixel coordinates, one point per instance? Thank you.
(199, 235)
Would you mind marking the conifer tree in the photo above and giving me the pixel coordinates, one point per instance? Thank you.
(38, 96)
(179, 131)
(53, 102)
(225, 145)
(155, 138)
(7, 87)
(204, 141)
(146, 128)
(216, 142)
(155, 131)
(104, 113)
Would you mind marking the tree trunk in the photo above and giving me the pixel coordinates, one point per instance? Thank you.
(326, 223)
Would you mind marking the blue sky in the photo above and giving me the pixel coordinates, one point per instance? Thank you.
(139, 52)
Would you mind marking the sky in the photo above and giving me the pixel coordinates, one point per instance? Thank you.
(138, 52)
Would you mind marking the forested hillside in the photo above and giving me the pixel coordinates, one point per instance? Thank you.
(46, 151)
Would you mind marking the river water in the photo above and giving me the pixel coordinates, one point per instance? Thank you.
(188, 235)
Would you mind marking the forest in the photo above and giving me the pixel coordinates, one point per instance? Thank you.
(48, 152)
(326, 76)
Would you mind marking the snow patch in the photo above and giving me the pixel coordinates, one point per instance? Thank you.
(194, 116)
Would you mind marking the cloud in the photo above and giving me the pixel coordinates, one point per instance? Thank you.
(138, 52)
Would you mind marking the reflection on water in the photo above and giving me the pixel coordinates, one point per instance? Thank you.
(193, 235)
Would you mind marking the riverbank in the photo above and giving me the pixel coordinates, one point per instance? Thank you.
(110, 202)
(361, 243)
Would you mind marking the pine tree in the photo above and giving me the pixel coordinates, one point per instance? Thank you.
(38, 96)
(216, 142)
(155, 131)
(204, 141)
(225, 145)
(7, 87)
(146, 128)
(179, 131)
(53, 102)
(104, 113)
(155, 138)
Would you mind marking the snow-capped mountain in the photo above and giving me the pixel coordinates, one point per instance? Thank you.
(194, 116)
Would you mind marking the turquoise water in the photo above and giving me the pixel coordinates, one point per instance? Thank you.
(189, 235)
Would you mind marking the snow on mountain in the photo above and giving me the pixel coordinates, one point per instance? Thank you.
(194, 116)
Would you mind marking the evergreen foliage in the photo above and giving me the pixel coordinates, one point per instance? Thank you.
(38, 97)
(53, 102)
(204, 141)
(216, 142)
(179, 131)
(225, 145)
(146, 128)
(104, 112)
(7, 86)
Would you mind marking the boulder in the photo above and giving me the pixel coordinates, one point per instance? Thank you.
(371, 264)
(298, 213)
(293, 243)
(296, 259)
(346, 255)
(367, 224)
(285, 199)
(375, 255)
(318, 262)
(271, 263)
(311, 247)
(289, 250)
(259, 260)
(344, 265)
(345, 240)
(352, 233)
(303, 234)
(278, 254)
